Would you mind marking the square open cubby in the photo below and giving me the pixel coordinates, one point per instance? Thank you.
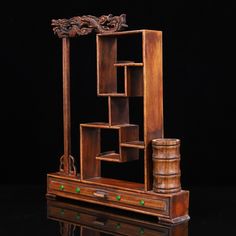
(100, 141)
(129, 47)
(118, 110)
(126, 171)
(120, 65)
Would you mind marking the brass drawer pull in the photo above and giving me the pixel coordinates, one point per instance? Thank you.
(100, 222)
(99, 194)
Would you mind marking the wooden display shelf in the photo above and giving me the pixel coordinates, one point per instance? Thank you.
(139, 76)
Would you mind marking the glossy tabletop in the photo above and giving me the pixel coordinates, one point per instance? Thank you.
(26, 211)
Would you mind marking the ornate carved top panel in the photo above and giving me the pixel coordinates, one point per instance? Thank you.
(83, 25)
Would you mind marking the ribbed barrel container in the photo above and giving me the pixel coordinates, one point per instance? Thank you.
(166, 165)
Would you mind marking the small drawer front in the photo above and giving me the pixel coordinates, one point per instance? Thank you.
(75, 188)
(138, 201)
(145, 202)
(63, 186)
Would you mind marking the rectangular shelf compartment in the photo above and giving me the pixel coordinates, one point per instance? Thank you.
(106, 72)
(118, 110)
(132, 79)
(110, 49)
(91, 145)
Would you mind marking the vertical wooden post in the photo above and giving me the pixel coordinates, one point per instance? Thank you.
(66, 104)
(153, 97)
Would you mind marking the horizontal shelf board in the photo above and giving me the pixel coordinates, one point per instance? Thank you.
(105, 125)
(96, 125)
(126, 32)
(125, 125)
(109, 156)
(128, 63)
(134, 144)
(122, 184)
(112, 94)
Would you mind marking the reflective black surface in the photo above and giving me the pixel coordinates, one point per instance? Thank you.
(24, 212)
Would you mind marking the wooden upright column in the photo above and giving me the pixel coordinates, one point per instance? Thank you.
(67, 161)
(66, 102)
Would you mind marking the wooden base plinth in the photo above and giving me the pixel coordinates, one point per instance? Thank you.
(171, 208)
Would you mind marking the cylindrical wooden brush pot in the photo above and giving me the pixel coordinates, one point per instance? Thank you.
(166, 165)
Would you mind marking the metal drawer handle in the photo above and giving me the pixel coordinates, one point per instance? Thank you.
(100, 222)
(99, 194)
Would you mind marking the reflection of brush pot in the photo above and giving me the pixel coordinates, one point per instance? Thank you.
(166, 165)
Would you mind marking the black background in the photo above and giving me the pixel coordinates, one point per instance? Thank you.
(198, 93)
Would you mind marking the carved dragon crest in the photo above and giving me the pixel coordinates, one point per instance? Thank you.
(83, 25)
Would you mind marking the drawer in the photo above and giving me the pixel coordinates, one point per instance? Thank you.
(118, 197)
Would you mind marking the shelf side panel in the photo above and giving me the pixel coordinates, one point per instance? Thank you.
(89, 148)
(134, 77)
(106, 71)
(127, 135)
(153, 96)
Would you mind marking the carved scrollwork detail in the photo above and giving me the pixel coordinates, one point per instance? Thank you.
(72, 167)
(83, 25)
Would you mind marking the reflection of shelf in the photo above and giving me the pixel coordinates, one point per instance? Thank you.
(109, 156)
(128, 64)
(97, 221)
(121, 184)
(133, 144)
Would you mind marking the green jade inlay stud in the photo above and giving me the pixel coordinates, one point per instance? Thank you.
(77, 190)
(62, 211)
(77, 216)
(118, 226)
(118, 197)
(62, 187)
(142, 202)
(141, 231)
